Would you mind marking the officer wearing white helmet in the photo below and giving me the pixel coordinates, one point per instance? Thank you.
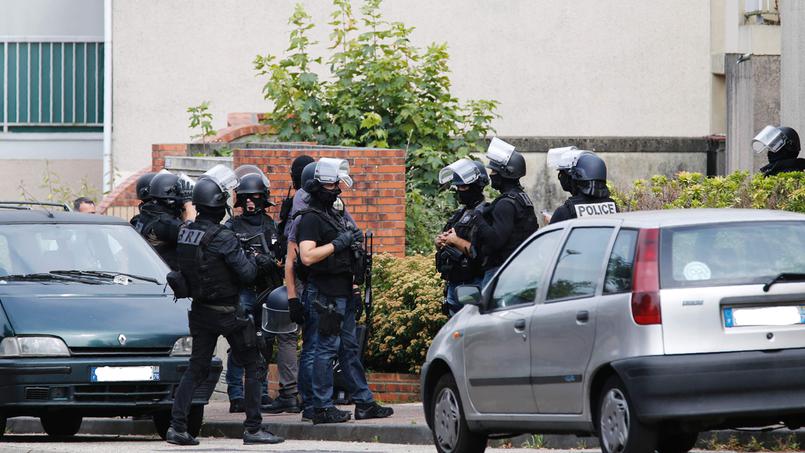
(584, 175)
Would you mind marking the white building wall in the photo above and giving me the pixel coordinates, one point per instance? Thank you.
(558, 68)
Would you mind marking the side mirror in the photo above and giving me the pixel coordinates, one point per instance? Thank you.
(469, 295)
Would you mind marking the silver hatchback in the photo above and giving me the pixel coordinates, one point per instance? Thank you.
(644, 328)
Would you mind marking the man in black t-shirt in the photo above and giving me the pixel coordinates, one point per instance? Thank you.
(327, 246)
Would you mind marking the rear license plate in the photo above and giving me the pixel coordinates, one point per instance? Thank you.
(124, 374)
(764, 316)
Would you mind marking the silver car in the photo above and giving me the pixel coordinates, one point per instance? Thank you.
(644, 328)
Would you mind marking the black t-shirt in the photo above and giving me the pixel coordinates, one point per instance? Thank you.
(313, 228)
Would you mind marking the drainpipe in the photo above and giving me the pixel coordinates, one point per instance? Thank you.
(107, 97)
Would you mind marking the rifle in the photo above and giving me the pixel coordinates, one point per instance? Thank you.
(368, 244)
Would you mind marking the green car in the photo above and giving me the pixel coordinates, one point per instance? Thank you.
(88, 326)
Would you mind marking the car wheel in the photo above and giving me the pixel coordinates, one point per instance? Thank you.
(676, 441)
(619, 431)
(450, 431)
(162, 421)
(61, 425)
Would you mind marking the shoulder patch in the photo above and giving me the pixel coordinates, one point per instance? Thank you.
(594, 209)
(189, 236)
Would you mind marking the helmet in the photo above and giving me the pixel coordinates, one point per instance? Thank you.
(165, 186)
(505, 160)
(252, 181)
(212, 188)
(589, 167)
(328, 171)
(464, 172)
(297, 167)
(276, 316)
(142, 186)
(307, 173)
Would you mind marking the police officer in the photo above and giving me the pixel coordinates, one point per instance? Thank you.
(510, 218)
(214, 267)
(161, 217)
(143, 182)
(329, 246)
(586, 180)
(781, 145)
(258, 235)
(454, 258)
(287, 207)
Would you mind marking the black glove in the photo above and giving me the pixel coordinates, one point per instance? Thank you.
(263, 261)
(357, 235)
(296, 310)
(343, 241)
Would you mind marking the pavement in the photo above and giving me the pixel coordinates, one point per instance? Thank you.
(406, 427)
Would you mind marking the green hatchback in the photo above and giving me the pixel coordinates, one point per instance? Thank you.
(88, 326)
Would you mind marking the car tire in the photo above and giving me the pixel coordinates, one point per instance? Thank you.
(676, 441)
(450, 431)
(619, 430)
(162, 421)
(61, 425)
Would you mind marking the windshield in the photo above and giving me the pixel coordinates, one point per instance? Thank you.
(731, 254)
(34, 249)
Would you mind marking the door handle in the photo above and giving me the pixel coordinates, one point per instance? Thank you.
(582, 316)
(519, 325)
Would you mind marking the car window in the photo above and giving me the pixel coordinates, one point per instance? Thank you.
(579, 264)
(518, 283)
(619, 268)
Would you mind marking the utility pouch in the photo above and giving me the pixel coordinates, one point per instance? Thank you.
(178, 284)
(249, 332)
(329, 319)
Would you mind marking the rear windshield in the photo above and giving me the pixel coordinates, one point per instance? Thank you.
(730, 254)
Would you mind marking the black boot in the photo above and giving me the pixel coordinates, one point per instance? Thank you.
(330, 415)
(177, 438)
(372, 410)
(260, 437)
(282, 404)
(236, 406)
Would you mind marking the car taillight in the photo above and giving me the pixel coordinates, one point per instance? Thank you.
(646, 279)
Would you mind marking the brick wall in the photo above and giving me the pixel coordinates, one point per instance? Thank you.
(376, 200)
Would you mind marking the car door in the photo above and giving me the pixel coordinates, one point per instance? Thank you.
(497, 351)
(563, 327)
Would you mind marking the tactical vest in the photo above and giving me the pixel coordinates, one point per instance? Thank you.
(580, 206)
(525, 224)
(452, 264)
(210, 280)
(146, 225)
(260, 239)
(338, 262)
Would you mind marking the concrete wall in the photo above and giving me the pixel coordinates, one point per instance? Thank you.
(51, 18)
(792, 18)
(616, 68)
(753, 101)
(29, 174)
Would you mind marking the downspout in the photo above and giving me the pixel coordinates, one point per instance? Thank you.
(108, 175)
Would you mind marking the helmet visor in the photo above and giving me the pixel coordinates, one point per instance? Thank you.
(244, 170)
(770, 139)
(223, 176)
(499, 151)
(461, 172)
(565, 158)
(329, 171)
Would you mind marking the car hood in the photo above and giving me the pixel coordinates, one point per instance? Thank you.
(147, 318)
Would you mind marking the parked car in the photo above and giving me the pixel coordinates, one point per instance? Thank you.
(644, 328)
(88, 327)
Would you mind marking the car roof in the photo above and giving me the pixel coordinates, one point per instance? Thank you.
(55, 216)
(681, 217)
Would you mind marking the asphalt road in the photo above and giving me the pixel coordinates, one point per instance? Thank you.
(90, 444)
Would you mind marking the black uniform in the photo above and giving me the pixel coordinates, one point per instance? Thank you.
(215, 267)
(159, 225)
(783, 166)
(509, 220)
(258, 235)
(581, 205)
(333, 276)
(454, 266)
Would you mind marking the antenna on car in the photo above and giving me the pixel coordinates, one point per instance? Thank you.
(25, 205)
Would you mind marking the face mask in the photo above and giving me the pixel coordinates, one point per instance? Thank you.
(327, 197)
(497, 181)
(565, 181)
(470, 197)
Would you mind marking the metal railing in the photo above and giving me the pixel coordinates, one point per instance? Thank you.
(51, 82)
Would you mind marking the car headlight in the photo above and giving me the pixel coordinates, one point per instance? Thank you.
(183, 346)
(33, 347)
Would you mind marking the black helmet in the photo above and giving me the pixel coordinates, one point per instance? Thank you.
(297, 167)
(252, 183)
(792, 141)
(165, 186)
(208, 193)
(464, 172)
(142, 186)
(505, 160)
(589, 167)
(307, 173)
(326, 170)
(276, 314)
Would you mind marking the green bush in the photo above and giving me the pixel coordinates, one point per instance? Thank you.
(785, 191)
(407, 312)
